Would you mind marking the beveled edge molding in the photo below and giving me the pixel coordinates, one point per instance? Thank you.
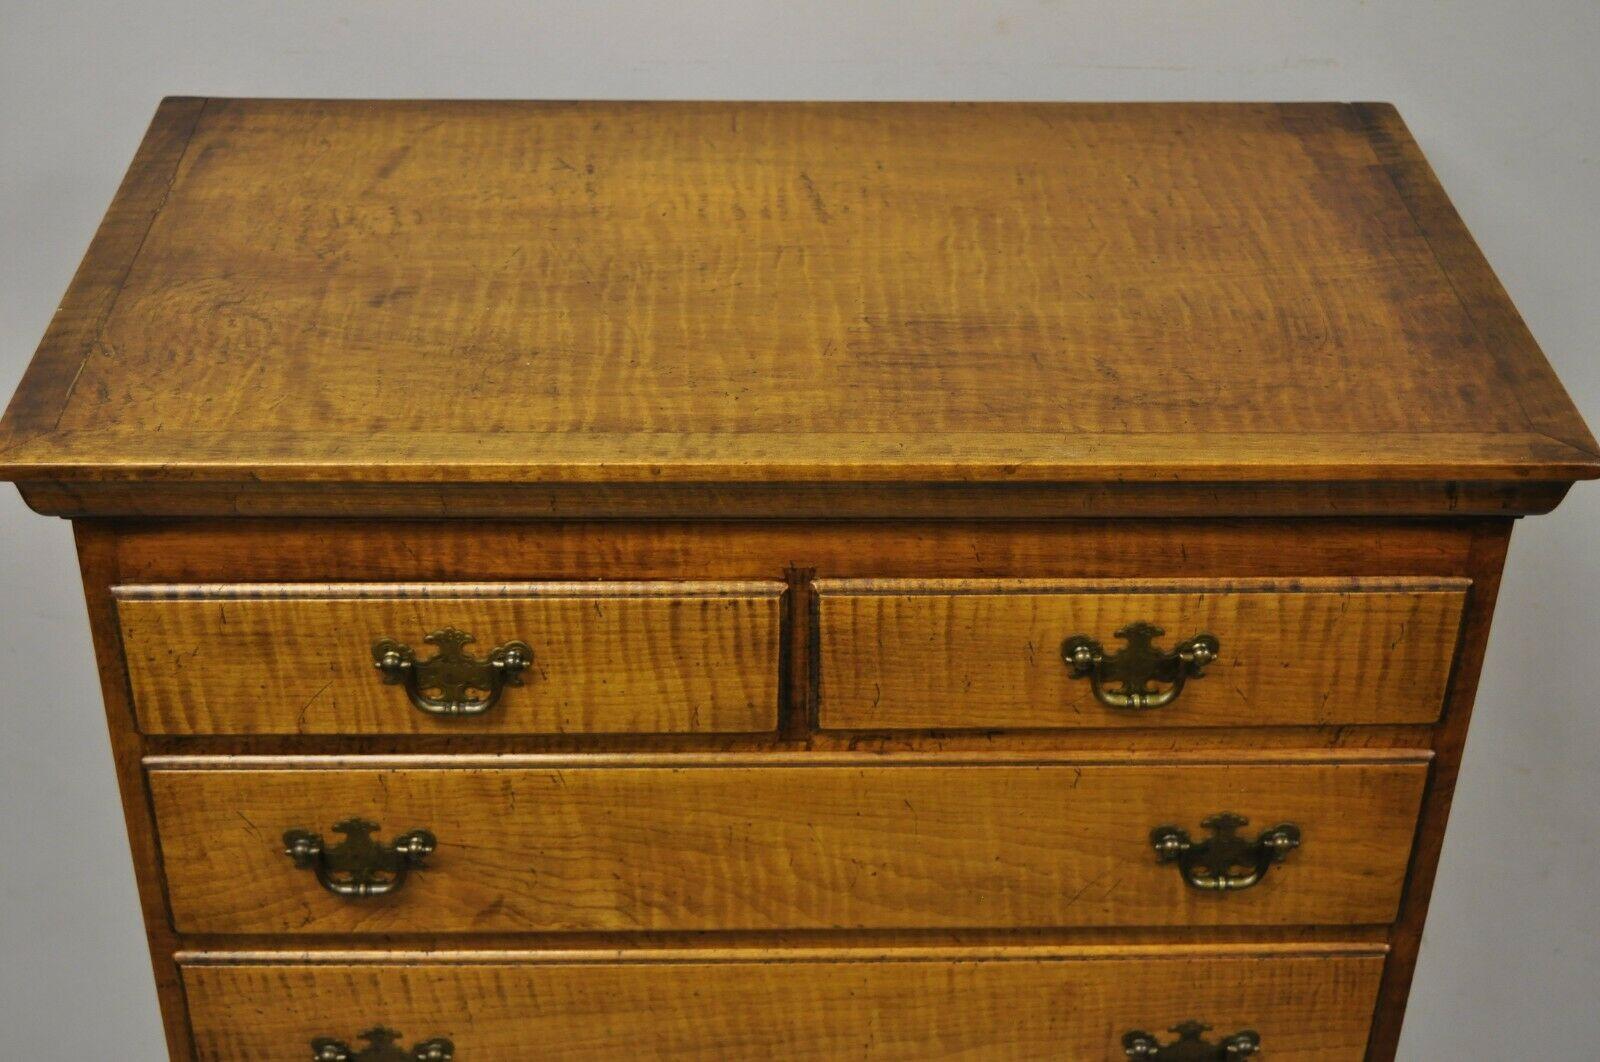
(764, 952)
(932, 586)
(465, 590)
(787, 501)
(903, 759)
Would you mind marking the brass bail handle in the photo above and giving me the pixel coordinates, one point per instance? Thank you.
(1191, 1045)
(1224, 862)
(1139, 676)
(444, 684)
(359, 866)
(383, 1045)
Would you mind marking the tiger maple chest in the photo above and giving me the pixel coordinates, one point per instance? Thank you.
(811, 581)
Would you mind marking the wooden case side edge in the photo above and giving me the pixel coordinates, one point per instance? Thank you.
(1486, 562)
(98, 563)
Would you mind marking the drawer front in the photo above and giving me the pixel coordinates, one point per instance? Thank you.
(772, 843)
(1035, 1003)
(601, 657)
(907, 654)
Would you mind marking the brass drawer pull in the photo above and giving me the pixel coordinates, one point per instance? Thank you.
(359, 866)
(452, 672)
(1224, 862)
(1190, 1046)
(1138, 664)
(382, 1046)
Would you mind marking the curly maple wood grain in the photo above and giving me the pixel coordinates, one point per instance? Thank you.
(748, 843)
(125, 553)
(642, 293)
(607, 657)
(191, 551)
(973, 654)
(770, 1004)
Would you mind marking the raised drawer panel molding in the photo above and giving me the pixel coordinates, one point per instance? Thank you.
(759, 844)
(603, 657)
(1021, 1003)
(907, 654)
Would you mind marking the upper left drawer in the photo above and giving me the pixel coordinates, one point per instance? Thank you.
(514, 658)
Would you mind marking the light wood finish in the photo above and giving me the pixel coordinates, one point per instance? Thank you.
(969, 1003)
(755, 845)
(826, 376)
(715, 293)
(607, 657)
(909, 654)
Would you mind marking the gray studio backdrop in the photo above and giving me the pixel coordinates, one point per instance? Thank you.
(1504, 97)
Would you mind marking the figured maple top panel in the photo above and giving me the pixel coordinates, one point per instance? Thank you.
(702, 292)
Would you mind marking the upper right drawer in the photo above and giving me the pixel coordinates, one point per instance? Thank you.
(898, 654)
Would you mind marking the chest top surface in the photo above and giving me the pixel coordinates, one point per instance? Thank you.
(620, 293)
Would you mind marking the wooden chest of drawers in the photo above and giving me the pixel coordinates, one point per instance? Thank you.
(747, 581)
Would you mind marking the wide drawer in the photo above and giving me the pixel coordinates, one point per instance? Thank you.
(1021, 1003)
(906, 654)
(599, 657)
(775, 842)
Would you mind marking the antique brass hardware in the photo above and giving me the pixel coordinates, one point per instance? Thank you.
(382, 1046)
(1138, 664)
(452, 672)
(1224, 862)
(359, 866)
(1190, 1046)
